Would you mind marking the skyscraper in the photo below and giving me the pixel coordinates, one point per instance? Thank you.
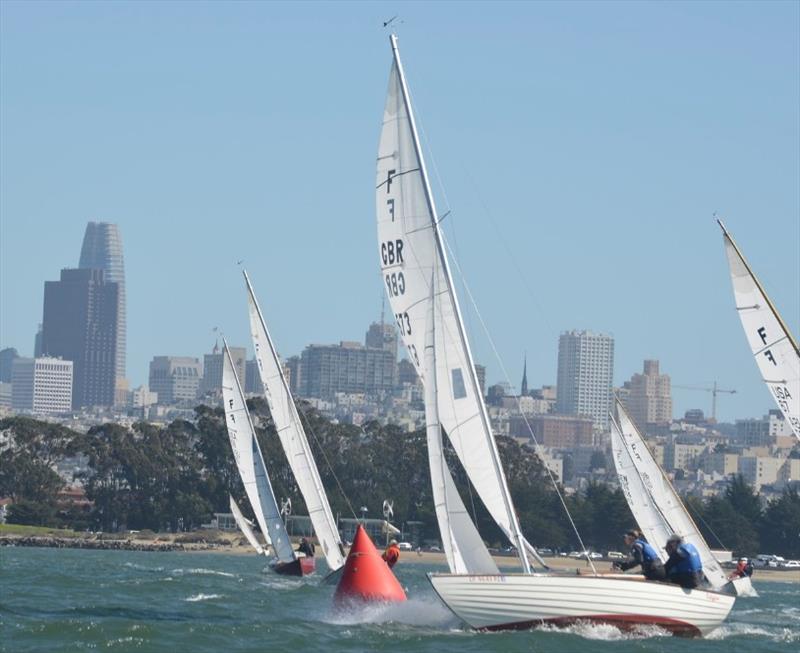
(80, 325)
(7, 357)
(42, 385)
(175, 379)
(649, 397)
(348, 367)
(585, 372)
(212, 368)
(102, 250)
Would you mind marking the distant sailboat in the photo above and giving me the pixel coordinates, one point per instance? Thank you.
(292, 436)
(774, 347)
(655, 504)
(246, 527)
(416, 274)
(250, 462)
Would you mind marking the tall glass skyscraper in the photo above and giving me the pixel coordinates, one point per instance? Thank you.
(102, 250)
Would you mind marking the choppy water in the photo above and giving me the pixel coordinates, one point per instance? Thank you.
(74, 600)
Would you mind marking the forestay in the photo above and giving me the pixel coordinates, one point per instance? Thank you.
(245, 527)
(463, 546)
(411, 255)
(250, 462)
(663, 495)
(773, 346)
(292, 436)
(651, 522)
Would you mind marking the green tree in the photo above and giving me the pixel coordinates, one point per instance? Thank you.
(781, 525)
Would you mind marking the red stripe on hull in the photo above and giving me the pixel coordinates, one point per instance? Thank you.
(623, 622)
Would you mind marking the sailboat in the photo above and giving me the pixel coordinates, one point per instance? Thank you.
(246, 526)
(774, 347)
(250, 463)
(416, 274)
(292, 435)
(656, 505)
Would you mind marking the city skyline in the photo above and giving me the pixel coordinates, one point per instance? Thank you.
(602, 221)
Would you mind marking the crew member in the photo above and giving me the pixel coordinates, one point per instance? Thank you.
(641, 553)
(683, 566)
(306, 547)
(743, 568)
(392, 554)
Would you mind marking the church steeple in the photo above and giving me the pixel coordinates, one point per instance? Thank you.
(524, 389)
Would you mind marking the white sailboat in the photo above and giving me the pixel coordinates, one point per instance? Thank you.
(656, 505)
(292, 435)
(774, 347)
(246, 526)
(416, 273)
(250, 463)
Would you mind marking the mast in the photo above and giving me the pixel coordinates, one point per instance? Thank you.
(473, 379)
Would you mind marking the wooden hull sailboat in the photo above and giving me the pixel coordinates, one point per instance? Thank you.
(421, 292)
(301, 566)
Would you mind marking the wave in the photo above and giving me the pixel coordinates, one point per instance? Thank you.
(607, 632)
(414, 612)
(739, 630)
(203, 597)
(138, 567)
(201, 571)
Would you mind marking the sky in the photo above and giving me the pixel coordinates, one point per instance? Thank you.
(582, 149)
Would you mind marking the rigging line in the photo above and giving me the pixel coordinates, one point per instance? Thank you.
(310, 428)
(524, 417)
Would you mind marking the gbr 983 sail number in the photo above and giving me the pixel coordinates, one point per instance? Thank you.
(392, 254)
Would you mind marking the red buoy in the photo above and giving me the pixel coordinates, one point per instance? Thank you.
(366, 577)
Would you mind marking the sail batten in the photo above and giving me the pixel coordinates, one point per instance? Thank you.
(413, 258)
(292, 435)
(250, 462)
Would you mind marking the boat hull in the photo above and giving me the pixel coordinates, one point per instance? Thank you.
(517, 601)
(743, 587)
(298, 567)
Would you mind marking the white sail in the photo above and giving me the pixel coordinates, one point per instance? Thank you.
(773, 346)
(411, 254)
(651, 522)
(245, 527)
(663, 496)
(292, 436)
(250, 462)
(463, 546)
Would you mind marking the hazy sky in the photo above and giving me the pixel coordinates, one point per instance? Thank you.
(582, 149)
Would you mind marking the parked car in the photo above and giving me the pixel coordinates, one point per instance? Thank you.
(434, 549)
(615, 555)
(575, 554)
(594, 555)
(404, 546)
(791, 564)
(545, 553)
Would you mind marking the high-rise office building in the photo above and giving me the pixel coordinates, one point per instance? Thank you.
(175, 378)
(102, 250)
(480, 372)
(585, 372)
(252, 380)
(37, 342)
(212, 369)
(7, 357)
(42, 385)
(382, 336)
(348, 367)
(80, 325)
(649, 396)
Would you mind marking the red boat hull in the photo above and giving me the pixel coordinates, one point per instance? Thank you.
(298, 567)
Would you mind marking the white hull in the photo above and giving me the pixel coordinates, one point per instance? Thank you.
(743, 587)
(521, 601)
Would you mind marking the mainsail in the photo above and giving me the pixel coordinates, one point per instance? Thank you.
(773, 346)
(250, 462)
(463, 546)
(246, 527)
(292, 436)
(412, 254)
(663, 496)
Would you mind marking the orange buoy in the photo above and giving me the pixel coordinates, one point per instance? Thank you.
(366, 577)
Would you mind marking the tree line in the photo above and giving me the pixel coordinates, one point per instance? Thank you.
(176, 476)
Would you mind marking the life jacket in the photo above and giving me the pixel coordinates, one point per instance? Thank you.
(689, 559)
(391, 555)
(649, 554)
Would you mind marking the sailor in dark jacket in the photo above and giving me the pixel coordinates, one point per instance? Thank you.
(643, 554)
(306, 547)
(684, 566)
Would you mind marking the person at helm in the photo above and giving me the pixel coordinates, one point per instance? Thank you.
(641, 553)
(683, 567)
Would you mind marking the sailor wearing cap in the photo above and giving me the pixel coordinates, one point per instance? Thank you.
(684, 566)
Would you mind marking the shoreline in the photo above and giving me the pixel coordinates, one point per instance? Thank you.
(237, 546)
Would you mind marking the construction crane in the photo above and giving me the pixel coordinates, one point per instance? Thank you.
(714, 390)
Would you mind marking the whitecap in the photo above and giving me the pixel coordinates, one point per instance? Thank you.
(203, 597)
(608, 632)
(201, 571)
